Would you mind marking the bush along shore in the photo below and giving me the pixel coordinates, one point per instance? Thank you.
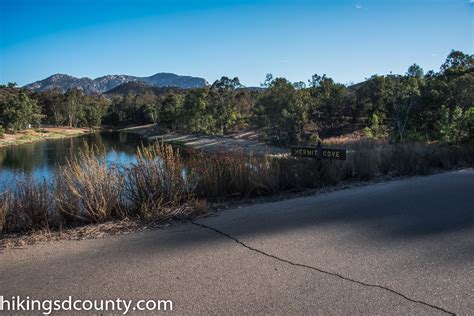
(169, 183)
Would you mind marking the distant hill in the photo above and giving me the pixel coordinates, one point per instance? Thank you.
(109, 82)
(138, 87)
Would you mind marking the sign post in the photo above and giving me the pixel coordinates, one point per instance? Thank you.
(319, 152)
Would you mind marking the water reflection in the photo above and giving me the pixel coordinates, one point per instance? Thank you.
(41, 158)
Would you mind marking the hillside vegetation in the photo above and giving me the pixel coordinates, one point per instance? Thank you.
(415, 124)
(416, 106)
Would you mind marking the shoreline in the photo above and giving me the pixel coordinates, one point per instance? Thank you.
(367, 168)
(246, 140)
(42, 134)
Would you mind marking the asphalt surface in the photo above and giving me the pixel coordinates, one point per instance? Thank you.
(400, 247)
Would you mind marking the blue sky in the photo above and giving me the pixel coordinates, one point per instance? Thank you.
(347, 40)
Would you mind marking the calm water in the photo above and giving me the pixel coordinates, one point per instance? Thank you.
(41, 158)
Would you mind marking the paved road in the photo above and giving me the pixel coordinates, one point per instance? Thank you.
(402, 247)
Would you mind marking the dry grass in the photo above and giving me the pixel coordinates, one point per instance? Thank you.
(158, 185)
(232, 174)
(3, 211)
(28, 207)
(31, 135)
(201, 206)
(165, 183)
(345, 139)
(88, 190)
(372, 158)
(366, 158)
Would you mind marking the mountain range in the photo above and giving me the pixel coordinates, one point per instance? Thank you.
(139, 87)
(103, 84)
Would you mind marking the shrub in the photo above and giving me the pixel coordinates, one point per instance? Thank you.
(366, 159)
(411, 158)
(28, 206)
(386, 157)
(456, 125)
(375, 130)
(468, 125)
(158, 185)
(232, 174)
(332, 172)
(297, 173)
(166, 183)
(2, 132)
(3, 211)
(368, 132)
(88, 190)
(200, 206)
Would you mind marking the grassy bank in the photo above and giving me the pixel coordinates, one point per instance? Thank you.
(34, 135)
(168, 183)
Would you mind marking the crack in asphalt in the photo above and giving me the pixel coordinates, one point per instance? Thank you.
(323, 271)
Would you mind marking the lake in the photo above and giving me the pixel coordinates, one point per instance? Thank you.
(40, 159)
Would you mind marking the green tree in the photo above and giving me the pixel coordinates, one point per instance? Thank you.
(467, 125)
(373, 96)
(456, 125)
(52, 106)
(18, 112)
(281, 112)
(92, 111)
(128, 110)
(223, 103)
(458, 60)
(415, 71)
(331, 103)
(195, 115)
(73, 102)
(267, 82)
(441, 93)
(170, 110)
(404, 99)
(149, 104)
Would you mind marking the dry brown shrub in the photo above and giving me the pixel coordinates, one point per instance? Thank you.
(166, 183)
(412, 158)
(3, 211)
(159, 185)
(235, 174)
(201, 206)
(27, 206)
(88, 190)
(366, 159)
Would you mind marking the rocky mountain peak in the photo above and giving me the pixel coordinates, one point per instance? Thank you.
(103, 84)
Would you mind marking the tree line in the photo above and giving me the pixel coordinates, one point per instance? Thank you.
(414, 106)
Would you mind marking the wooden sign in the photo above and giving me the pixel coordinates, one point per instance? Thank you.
(311, 152)
(332, 153)
(319, 152)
